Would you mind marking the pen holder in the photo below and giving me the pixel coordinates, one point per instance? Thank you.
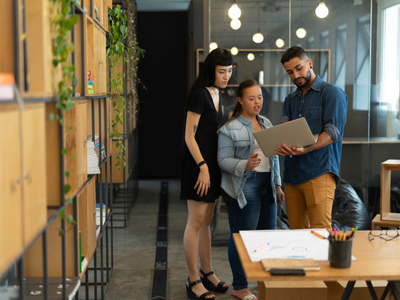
(340, 253)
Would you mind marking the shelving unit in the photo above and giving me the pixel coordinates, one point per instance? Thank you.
(42, 249)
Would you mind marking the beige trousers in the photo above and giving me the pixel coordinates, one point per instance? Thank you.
(309, 205)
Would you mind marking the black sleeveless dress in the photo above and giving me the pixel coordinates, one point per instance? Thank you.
(206, 137)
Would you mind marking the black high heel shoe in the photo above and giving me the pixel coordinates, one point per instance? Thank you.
(210, 286)
(192, 295)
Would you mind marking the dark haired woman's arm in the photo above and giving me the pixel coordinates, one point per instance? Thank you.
(203, 181)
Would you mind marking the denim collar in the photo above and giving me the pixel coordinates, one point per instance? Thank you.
(316, 86)
(247, 122)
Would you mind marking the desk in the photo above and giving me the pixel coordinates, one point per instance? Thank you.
(376, 260)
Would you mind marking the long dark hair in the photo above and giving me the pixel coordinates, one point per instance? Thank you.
(247, 83)
(217, 57)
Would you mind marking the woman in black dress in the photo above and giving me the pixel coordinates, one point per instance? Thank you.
(201, 176)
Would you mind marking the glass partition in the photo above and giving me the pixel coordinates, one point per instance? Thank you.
(355, 46)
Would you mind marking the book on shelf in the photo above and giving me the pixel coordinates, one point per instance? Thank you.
(121, 138)
(97, 230)
(92, 158)
(6, 86)
(98, 220)
(307, 264)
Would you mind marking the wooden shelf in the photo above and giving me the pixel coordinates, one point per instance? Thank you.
(79, 49)
(43, 78)
(31, 156)
(118, 174)
(7, 51)
(87, 220)
(33, 170)
(89, 66)
(10, 187)
(34, 256)
(386, 168)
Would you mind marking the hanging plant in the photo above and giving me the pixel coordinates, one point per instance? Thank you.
(135, 53)
(62, 47)
(116, 51)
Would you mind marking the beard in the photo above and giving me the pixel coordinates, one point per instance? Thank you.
(307, 80)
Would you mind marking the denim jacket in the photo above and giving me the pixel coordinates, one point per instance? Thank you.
(324, 106)
(235, 145)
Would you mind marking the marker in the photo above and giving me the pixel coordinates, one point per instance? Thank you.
(334, 230)
(344, 232)
(318, 235)
(355, 230)
(261, 247)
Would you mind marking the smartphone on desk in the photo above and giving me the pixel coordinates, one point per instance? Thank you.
(288, 272)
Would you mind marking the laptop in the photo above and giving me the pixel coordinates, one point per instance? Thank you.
(295, 133)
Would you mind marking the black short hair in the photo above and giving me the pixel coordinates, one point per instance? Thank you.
(292, 53)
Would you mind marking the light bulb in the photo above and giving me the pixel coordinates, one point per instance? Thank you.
(279, 43)
(234, 12)
(213, 46)
(258, 38)
(250, 56)
(235, 24)
(321, 11)
(301, 33)
(234, 51)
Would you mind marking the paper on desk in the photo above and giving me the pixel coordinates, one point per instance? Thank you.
(294, 244)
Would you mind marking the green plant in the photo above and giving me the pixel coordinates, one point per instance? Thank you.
(136, 53)
(62, 47)
(116, 51)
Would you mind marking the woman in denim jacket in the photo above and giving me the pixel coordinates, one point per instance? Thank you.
(251, 182)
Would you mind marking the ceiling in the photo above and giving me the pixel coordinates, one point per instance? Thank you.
(162, 5)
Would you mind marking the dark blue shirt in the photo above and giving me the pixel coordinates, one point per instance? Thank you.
(324, 106)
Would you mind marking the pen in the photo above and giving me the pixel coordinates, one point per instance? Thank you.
(261, 247)
(334, 230)
(318, 235)
(344, 232)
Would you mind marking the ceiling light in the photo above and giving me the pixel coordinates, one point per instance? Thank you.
(321, 11)
(235, 24)
(213, 46)
(234, 12)
(279, 43)
(301, 33)
(250, 56)
(234, 51)
(258, 38)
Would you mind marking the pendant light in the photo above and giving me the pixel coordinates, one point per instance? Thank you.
(258, 37)
(301, 32)
(213, 46)
(280, 43)
(234, 51)
(321, 11)
(234, 12)
(235, 24)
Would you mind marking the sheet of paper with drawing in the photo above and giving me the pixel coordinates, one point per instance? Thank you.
(292, 244)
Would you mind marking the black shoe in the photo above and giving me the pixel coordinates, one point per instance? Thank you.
(220, 288)
(192, 296)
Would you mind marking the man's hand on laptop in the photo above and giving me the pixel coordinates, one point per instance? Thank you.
(293, 151)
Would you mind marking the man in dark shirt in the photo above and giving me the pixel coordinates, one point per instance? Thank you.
(311, 173)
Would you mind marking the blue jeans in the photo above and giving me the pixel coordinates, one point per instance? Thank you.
(259, 213)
